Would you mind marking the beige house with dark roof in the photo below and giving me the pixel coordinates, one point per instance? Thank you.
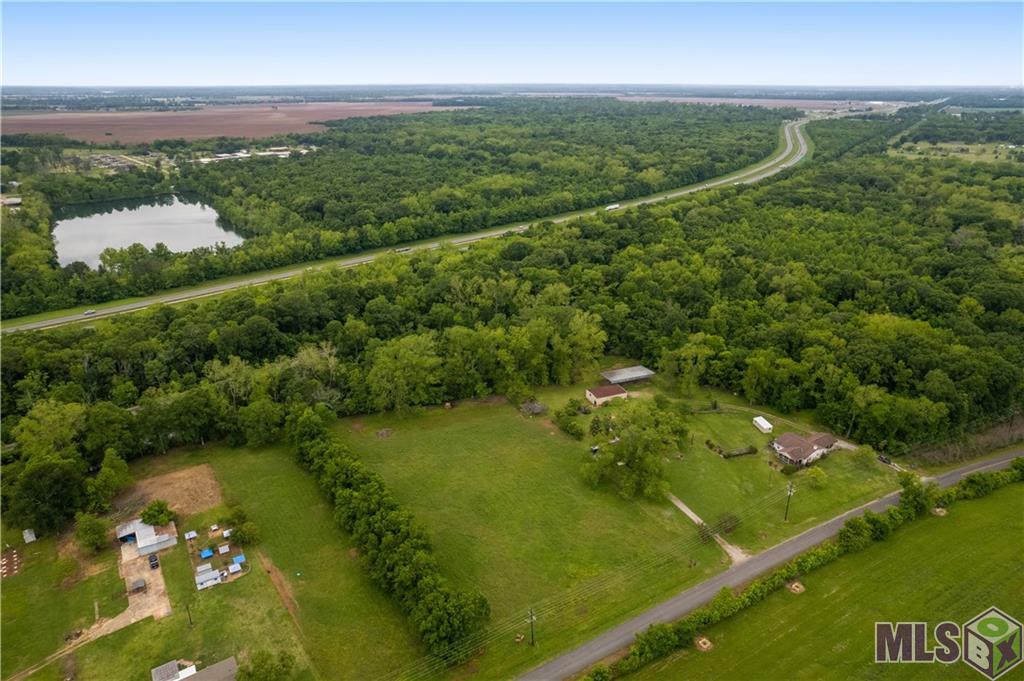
(605, 393)
(803, 451)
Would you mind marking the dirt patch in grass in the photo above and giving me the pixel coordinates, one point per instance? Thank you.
(356, 426)
(284, 589)
(87, 564)
(188, 491)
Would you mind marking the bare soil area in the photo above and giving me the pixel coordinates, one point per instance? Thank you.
(806, 104)
(187, 491)
(281, 585)
(255, 120)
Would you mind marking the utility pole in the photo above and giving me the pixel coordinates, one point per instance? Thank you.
(790, 491)
(533, 618)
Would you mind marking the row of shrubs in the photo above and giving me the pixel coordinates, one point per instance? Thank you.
(394, 549)
(916, 499)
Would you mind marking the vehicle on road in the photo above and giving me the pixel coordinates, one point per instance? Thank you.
(884, 459)
(88, 313)
(614, 206)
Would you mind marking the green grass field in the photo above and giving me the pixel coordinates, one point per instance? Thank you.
(45, 601)
(753, 487)
(503, 501)
(232, 619)
(937, 569)
(351, 629)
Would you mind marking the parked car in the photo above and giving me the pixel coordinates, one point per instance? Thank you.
(154, 562)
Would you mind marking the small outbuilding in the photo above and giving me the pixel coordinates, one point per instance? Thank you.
(28, 536)
(190, 535)
(605, 393)
(762, 424)
(206, 553)
(137, 586)
(206, 577)
(223, 548)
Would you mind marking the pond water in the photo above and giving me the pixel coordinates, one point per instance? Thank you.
(181, 223)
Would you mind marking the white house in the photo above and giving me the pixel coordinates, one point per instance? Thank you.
(605, 393)
(145, 537)
(762, 424)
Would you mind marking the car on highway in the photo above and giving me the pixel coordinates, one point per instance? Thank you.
(89, 313)
(614, 206)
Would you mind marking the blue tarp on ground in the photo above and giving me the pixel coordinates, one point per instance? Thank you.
(238, 559)
(206, 553)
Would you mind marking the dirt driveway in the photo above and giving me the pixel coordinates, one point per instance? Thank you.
(153, 602)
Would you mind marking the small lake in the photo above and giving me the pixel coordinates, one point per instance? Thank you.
(181, 223)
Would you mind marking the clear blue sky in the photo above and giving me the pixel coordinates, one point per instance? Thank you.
(290, 43)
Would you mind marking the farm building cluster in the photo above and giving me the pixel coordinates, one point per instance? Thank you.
(216, 560)
(613, 390)
(273, 152)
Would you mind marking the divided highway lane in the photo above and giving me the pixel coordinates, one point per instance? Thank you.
(620, 637)
(794, 151)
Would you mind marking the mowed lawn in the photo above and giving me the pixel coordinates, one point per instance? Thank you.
(754, 490)
(232, 619)
(936, 569)
(50, 598)
(348, 627)
(503, 501)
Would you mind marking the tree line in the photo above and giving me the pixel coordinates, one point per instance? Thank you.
(394, 549)
(884, 294)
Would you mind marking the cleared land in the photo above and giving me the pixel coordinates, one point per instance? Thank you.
(51, 597)
(503, 501)
(805, 104)
(937, 569)
(258, 120)
(753, 486)
(712, 485)
(988, 152)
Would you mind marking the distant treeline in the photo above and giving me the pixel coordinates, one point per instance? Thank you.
(382, 181)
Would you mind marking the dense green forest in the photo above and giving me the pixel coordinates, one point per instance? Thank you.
(885, 294)
(381, 181)
(970, 127)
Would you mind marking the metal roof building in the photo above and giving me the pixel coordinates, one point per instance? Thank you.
(627, 375)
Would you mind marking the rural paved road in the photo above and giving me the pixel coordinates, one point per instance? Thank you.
(794, 151)
(620, 637)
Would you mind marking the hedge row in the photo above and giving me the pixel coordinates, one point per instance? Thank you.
(916, 499)
(394, 549)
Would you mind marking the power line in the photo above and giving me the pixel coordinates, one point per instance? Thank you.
(428, 665)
